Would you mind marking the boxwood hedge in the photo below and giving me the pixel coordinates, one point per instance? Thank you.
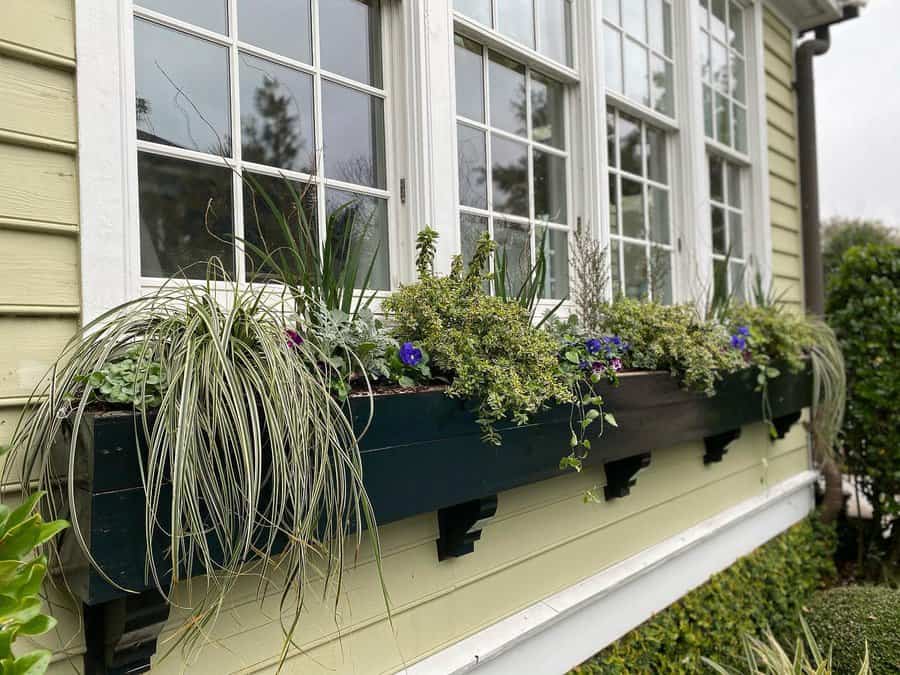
(769, 587)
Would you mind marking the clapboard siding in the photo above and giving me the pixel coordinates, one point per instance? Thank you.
(46, 26)
(38, 101)
(38, 269)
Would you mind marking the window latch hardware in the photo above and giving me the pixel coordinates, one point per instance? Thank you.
(402, 190)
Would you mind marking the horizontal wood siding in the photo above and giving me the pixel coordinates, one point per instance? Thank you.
(784, 180)
(39, 257)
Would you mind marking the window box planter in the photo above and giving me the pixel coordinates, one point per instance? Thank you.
(423, 453)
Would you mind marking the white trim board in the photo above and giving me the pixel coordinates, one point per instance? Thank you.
(557, 634)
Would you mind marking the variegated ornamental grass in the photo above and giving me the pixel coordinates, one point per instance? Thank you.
(263, 461)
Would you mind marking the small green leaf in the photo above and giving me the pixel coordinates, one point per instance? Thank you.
(610, 419)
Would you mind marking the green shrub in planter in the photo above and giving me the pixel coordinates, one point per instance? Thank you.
(848, 617)
(768, 588)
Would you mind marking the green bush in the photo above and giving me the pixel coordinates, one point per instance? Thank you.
(486, 345)
(864, 310)
(847, 618)
(768, 588)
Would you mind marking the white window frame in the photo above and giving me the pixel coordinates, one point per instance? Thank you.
(423, 133)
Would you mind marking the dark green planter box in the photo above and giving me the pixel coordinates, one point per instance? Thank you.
(423, 453)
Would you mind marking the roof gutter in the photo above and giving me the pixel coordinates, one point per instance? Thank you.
(813, 268)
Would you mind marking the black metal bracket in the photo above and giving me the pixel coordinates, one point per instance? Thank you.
(460, 526)
(621, 475)
(783, 424)
(121, 635)
(717, 446)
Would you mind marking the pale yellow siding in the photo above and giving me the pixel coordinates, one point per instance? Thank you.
(543, 539)
(39, 258)
(784, 181)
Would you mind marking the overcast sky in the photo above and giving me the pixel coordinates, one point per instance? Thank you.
(858, 107)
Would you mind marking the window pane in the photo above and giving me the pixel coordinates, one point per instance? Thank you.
(615, 267)
(366, 219)
(736, 33)
(637, 82)
(354, 135)
(350, 39)
(507, 83)
(738, 282)
(634, 18)
(717, 22)
(276, 115)
(632, 209)
(272, 236)
(612, 156)
(720, 66)
(705, 58)
(740, 128)
(659, 19)
(549, 187)
(209, 14)
(480, 10)
(510, 175)
(657, 164)
(661, 77)
(611, 11)
(716, 179)
(613, 204)
(630, 145)
(720, 278)
(547, 111)
(471, 229)
(738, 81)
(736, 234)
(636, 282)
(659, 215)
(708, 123)
(182, 90)
(553, 18)
(516, 20)
(612, 46)
(720, 246)
(472, 166)
(556, 255)
(723, 123)
(661, 275)
(469, 79)
(513, 246)
(186, 217)
(734, 186)
(281, 26)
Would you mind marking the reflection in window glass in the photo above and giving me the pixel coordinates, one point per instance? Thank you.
(553, 20)
(479, 10)
(640, 209)
(513, 165)
(555, 244)
(272, 236)
(181, 90)
(354, 135)
(186, 217)
(724, 70)
(366, 220)
(638, 47)
(209, 14)
(276, 115)
(515, 19)
(469, 79)
(280, 26)
(350, 39)
(727, 218)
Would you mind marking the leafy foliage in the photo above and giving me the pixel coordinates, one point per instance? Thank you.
(864, 309)
(767, 657)
(22, 573)
(855, 618)
(134, 379)
(766, 589)
(590, 264)
(673, 338)
(246, 428)
(840, 235)
(485, 345)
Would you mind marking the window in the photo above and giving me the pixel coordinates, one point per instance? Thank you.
(640, 213)
(236, 96)
(724, 72)
(726, 201)
(637, 38)
(512, 161)
(541, 25)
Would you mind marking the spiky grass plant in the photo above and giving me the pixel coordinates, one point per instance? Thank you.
(256, 460)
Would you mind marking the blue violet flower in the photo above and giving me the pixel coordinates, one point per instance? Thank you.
(593, 346)
(410, 355)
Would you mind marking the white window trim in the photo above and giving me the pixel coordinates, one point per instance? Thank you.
(424, 138)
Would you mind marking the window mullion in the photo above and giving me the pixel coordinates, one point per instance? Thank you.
(240, 265)
(319, 129)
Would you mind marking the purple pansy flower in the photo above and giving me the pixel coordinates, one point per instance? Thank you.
(616, 365)
(410, 355)
(599, 367)
(593, 346)
(294, 338)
